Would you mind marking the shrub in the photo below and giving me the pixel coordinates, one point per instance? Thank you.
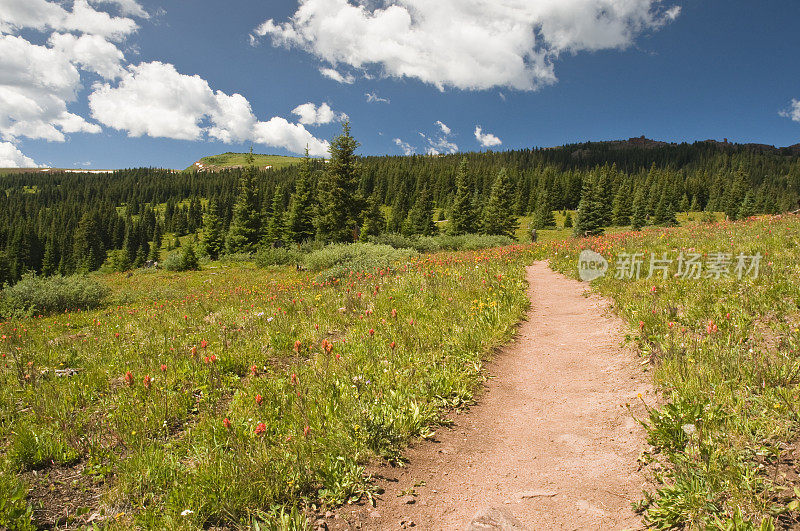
(443, 242)
(272, 256)
(41, 295)
(183, 260)
(338, 260)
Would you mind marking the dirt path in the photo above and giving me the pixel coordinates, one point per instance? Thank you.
(549, 442)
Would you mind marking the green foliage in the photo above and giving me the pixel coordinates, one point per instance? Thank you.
(300, 221)
(590, 210)
(339, 206)
(229, 160)
(213, 233)
(277, 256)
(639, 217)
(420, 218)
(245, 230)
(374, 222)
(340, 259)
(498, 216)
(44, 295)
(183, 260)
(463, 215)
(15, 513)
(543, 217)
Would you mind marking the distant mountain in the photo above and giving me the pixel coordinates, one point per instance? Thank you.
(239, 160)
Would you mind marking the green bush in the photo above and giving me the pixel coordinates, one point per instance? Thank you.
(183, 260)
(41, 295)
(272, 256)
(442, 242)
(339, 260)
(15, 513)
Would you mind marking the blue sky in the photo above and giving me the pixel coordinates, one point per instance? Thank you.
(121, 83)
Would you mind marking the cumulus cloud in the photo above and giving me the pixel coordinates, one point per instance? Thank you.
(374, 98)
(443, 127)
(441, 143)
(154, 99)
(126, 7)
(406, 148)
(486, 139)
(310, 114)
(36, 84)
(92, 52)
(42, 15)
(793, 112)
(11, 157)
(475, 44)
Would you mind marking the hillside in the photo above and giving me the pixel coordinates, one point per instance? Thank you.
(239, 160)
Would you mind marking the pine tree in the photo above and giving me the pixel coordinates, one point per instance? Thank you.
(276, 233)
(88, 248)
(400, 206)
(339, 205)
(49, 263)
(463, 218)
(245, 229)
(622, 209)
(158, 239)
(568, 220)
(374, 220)
(213, 238)
(300, 221)
(543, 217)
(639, 217)
(420, 218)
(747, 207)
(695, 206)
(684, 205)
(589, 222)
(498, 216)
(189, 258)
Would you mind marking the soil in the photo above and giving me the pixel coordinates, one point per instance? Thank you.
(550, 443)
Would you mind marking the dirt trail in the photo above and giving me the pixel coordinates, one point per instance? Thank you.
(549, 441)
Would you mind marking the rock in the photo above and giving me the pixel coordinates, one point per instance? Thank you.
(329, 514)
(374, 514)
(321, 525)
(495, 519)
(408, 500)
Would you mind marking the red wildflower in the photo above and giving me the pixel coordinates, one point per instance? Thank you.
(129, 378)
(147, 381)
(392, 345)
(226, 423)
(711, 327)
(259, 399)
(253, 370)
(194, 351)
(163, 368)
(293, 379)
(306, 430)
(371, 331)
(203, 343)
(261, 428)
(297, 345)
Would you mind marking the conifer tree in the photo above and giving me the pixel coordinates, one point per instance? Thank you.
(339, 205)
(568, 220)
(213, 237)
(543, 217)
(589, 222)
(420, 218)
(374, 221)
(49, 263)
(189, 258)
(158, 239)
(245, 229)
(639, 217)
(498, 216)
(747, 207)
(88, 248)
(276, 234)
(300, 220)
(463, 218)
(400, 206)
(622, 208)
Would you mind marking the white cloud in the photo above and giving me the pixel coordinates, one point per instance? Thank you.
(154, 99)
(474, 44)
(310, 114)
(793, 112)
(374, 98)
(11, 157)
(441, 143)
(91, 52)
(337, 76)
(486, 139)
(443, 127)
(42, 15)
(36, 84)
(126, 7)
(405, 147)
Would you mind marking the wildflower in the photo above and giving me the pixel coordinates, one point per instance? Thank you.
(259, 399)
(711, 327)
(392, 345)
(163, 368)
(293, 379)
(297, 345)
(641, 325)
(147, 380)
(194, 351)
(226, 423)
(187, 512)
(253, 370)
(371, 332)
(203, 344)
(261, 428)
(129, 378)
(306, 430)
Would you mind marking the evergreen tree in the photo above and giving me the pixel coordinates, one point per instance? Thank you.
(747, 207)
(589, 222)
(374, 220)
(568, 220)
(276, 233)
(158, 239)
(189, 258)
(543, 217)
(49, 263)
(622, 209)
(88, 248)
(684, 205)
(639, 217)
(400, 206)
(498, 216)
(420, 218)
(463, 217)
(213, 237)
(339, 206)
(695, 206)
(244, 232)
(301, 206)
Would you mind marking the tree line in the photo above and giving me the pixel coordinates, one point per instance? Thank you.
(70, 222)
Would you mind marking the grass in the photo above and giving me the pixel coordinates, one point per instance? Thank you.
(235, 396)
(227, 160)
(724, 353)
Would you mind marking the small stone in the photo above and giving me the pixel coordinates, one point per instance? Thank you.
(408, 500)
(536, 494)
(495, 519)
(329, 514)
(374, 514)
